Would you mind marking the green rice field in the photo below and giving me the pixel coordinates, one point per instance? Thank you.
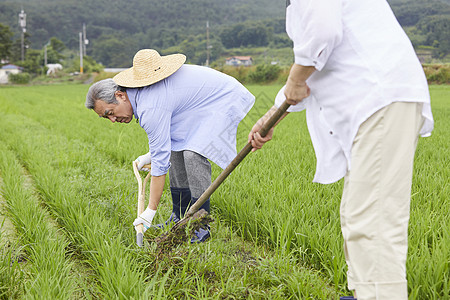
(69, 196)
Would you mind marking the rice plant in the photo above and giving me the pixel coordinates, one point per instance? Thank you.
(276, 234)
(45, 249)
(12, 274)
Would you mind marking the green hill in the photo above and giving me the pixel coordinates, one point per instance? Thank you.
(64, 18)
(116, 29)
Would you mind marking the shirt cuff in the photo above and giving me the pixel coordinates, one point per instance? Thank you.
(158, 170)
(307, 61)
(279, 99)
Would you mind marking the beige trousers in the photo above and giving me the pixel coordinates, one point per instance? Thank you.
(376, 201)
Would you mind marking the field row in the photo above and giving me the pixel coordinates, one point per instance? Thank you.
(86, 187)
(70, 193)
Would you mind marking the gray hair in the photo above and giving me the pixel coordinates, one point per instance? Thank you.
(103, 90)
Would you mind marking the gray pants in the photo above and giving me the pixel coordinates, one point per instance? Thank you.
(190, 170)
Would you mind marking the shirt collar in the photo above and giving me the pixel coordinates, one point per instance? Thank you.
(132, 96)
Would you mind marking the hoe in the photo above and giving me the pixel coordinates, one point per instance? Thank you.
(141, 202)
(193, 217)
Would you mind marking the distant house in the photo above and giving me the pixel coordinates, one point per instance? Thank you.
(239, 61)
(6, 70)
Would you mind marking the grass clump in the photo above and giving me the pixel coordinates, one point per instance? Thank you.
(12, 274)
(437, 73)
(183, 231)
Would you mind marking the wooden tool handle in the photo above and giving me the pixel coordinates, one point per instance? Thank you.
(235, 162)
(140, 208)
(141, 201)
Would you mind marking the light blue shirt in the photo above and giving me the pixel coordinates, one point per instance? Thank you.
(197, 109)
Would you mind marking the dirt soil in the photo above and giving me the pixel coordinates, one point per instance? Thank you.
(182, 231)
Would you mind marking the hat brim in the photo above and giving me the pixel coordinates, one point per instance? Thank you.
(170, 64)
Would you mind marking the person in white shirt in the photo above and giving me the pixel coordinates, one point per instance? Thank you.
(190, 114)
(367, 101)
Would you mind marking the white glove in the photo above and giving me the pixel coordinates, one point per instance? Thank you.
(145, 218)
(143, 160)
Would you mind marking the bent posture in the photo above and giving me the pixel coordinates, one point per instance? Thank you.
(190, 114)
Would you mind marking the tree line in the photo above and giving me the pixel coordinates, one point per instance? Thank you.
(427, 23)
(116, 29)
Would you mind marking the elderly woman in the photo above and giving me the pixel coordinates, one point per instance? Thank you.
(190, 114)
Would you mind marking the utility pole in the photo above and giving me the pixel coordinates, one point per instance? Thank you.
(207, 43)
(85, 40)
(81, 52)
(23, 25)
(45, 53)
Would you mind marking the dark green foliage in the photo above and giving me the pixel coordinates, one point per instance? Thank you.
(89, 65)
(5, 41)
(33, 62)
(20, 78)
(117, 29)
(281, 41)
(437, 30)
(53, 57)
(16, 49)
(246, 34)
(111, 51)
(64, 19)
(195, 49)
(410, 13)
(57, 45)
(431, 19)
(265, 74)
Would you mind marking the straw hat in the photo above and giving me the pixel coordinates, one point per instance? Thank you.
(149, 67)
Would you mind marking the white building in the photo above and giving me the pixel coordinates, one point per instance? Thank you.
(239, 61)
(6, 70)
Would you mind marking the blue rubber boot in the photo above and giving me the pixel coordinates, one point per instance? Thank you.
(202, 234)
(347, 298)
(181, 198)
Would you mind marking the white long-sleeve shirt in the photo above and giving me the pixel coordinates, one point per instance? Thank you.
(364, 62)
